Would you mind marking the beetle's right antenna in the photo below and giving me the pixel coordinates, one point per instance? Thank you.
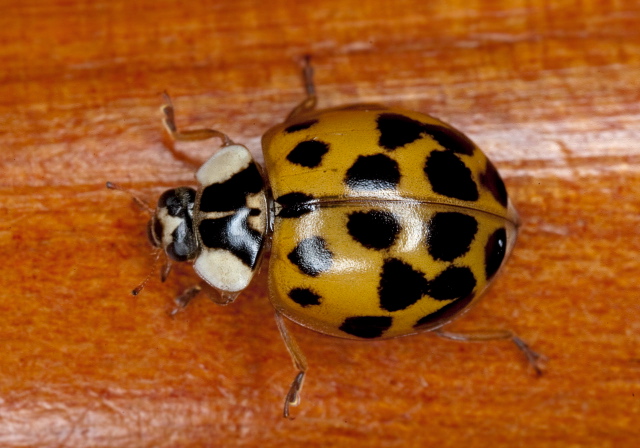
(138, 289)
(166, 268)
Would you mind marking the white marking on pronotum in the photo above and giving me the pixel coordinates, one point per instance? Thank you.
(222, 270)
(223, 165)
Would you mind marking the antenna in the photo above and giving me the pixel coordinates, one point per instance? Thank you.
(166, 267)
(139, 202)
(140, 287)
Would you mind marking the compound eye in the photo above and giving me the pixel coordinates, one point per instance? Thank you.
(183, 244)
(154, 232)
(176, 252)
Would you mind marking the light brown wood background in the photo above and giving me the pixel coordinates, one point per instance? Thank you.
(550, 90)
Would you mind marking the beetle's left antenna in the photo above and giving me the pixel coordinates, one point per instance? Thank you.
(140, 202)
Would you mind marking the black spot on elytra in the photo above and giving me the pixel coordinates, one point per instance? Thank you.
(493, 182)
(450, 177)
(450, 139)
(255, 212)
(400, 285)
(376, 172)
(300, 126)
(232, 233)
(367, 327)
(311, 256)
(443, 315)
(308, 153)
(376, 229)
(452, 283)
(450, 235)
(304, 297)
(398, 130)
(494, 252)
(295, 205)
(232, 194)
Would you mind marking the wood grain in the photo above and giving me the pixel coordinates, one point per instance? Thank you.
(550, 90)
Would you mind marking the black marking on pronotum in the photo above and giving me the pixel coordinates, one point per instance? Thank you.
(233, 234)
(300, 126)
(398, 130)
(376, 172)
(450, 235)
(308, 153)
(375, 229)
(494, 252)
(232, 194)
(367, 327)
(312, 256)
(492, 181)
(450, 177)
(295, 205)
(305, 297)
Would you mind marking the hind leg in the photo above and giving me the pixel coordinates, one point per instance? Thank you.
(535, 359)
(309, 103)
(299, 361)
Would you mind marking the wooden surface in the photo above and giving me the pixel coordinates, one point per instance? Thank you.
(550, 90)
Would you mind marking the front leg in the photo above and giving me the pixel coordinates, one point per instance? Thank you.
(217, 297)
(187, 136)
(192, 135)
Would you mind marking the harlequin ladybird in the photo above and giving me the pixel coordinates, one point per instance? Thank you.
(382, 222)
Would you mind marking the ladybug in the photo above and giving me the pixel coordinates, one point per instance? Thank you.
(381, 222)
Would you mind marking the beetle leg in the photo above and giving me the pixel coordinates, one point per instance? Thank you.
(186, 136)
(535, 359)
(309, 103)
(184, 299)
(299, 361)
(217, 296)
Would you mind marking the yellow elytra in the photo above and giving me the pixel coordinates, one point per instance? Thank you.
(388, 222)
